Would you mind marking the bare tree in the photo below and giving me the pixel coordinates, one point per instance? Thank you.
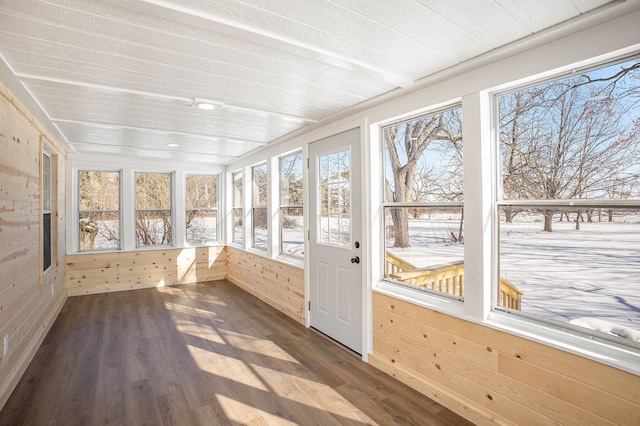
(570, 139)
(153, 205)
(99, 201)
(405, 145)
(201, 205)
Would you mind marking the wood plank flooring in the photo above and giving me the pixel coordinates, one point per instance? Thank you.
(202, 354)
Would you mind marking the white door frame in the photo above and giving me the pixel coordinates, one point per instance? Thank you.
(365, 223)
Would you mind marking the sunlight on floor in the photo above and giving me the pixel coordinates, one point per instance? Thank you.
(242, 413)
(227, 367)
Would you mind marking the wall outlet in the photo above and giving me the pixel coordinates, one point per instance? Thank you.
(5, 351)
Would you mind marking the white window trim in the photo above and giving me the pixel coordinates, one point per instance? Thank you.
(480, 177)
(76, 204)
(254, 248)
(49, 154)
(176, 235)
(277, 205)
(219, 236)
(231, 227)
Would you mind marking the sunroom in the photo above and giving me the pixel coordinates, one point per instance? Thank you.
(445, 193)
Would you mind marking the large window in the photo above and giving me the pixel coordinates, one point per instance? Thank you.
(153, 209)
(569, 199)
(423, 224)
(201, 209)
(259, 207)
(46, 210)
(238, 203)
(291, 213)
(98, 210)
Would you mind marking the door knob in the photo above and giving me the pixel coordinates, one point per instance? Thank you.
(355, 259)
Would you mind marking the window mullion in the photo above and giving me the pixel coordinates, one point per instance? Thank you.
(478, 205)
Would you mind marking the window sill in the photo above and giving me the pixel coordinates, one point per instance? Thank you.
(607, 352)
(259, 252)
(296, 262)
(431, 301)
(143, 248)
(202, 245)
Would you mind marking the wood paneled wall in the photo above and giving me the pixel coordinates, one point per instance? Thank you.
(278, 284)
(29, 300)
(89, 273)
(492, 377)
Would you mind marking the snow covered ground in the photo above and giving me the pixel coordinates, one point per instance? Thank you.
(565, 275)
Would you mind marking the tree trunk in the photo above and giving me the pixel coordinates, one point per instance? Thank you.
(578, 217)
(508, 215)
(548, 218)
(461, 226)
(400, 219)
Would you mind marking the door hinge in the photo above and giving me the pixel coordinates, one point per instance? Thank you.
(309, 304)
(308, 163)
(308, 234)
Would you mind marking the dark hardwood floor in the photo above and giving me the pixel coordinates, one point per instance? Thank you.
(203, 354)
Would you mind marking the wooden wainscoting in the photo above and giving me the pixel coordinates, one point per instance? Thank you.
(29, 299)
(278, 284)
(90, 273)
(489, 377)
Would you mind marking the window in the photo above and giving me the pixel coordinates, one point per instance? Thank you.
(259, 207)
(238, 204)
(423, 226)
(46, 210)
(153, 209)
(202, 209)
(335, 196)
(98, 210)
(291, 213)
(569, 199)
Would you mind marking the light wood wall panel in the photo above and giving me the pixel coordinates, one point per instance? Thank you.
(89, 273)
(29, 299)
(278, 284)
(489, 376)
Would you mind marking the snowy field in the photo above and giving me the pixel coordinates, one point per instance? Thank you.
(565, 275)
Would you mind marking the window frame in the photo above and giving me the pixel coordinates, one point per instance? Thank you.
(47, 183)
(171, 209)
(390, 283)
(255, 199)
(79, 212)
(538, 325)
(237, 203)
(206, 209)
(282, 206)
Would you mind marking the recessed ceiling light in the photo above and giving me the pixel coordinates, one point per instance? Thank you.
(173, 145)
(205, 106)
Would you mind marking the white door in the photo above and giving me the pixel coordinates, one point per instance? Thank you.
(335, 233)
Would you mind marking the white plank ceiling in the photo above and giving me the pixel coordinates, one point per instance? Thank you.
(121, 77)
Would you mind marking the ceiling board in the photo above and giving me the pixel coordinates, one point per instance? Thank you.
(120, 77)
